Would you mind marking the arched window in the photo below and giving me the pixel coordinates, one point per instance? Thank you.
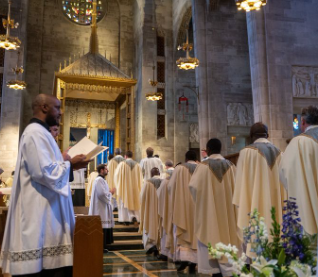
(80, 11)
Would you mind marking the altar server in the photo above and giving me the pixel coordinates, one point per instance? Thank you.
(112, 165)
(128, 180)
(150, 162)
(164, 209)
(299, 170)
(257, 183)
(38, 236)
(212, 186)
(101, 204)
(149, 219)
(182, 212)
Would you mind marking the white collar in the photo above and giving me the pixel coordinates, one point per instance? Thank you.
(156, 177)
(262, 140)
(216, 157)
(311, 127)
(118, 155)
(191, 162)
(128, 159)
(170, 168)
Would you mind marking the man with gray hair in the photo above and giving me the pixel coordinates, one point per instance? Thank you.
(112, 166)
(169, 169)
(299, 169)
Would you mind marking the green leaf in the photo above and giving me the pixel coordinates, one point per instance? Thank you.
(281, 258)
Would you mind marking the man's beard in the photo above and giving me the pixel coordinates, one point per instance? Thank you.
(52, 121)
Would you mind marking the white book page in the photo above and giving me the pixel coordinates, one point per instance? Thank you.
(86, 147)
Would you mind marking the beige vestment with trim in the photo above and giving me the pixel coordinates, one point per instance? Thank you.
(212, 187)
(182, 209)
(149, 218)
(128, 179)
(299, 174)
(112, 165)
(257, 183)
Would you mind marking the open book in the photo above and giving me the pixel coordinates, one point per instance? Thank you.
(87, 147)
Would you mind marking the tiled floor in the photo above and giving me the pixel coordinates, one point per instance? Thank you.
(136, 263)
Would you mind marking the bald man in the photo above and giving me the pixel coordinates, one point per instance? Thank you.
(150, 162)
(257, 184)
(149, 218)
(38, 237)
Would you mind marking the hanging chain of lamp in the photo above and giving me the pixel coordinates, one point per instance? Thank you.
(250, 5)
(153, 96)
(7, 41)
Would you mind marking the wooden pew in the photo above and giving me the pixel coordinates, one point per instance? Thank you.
(88, 247)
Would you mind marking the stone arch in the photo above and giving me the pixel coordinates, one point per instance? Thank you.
(184, 26)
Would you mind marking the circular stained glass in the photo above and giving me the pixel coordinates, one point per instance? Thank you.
(80, 11)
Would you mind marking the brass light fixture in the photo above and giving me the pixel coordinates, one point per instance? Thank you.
(153, 96)
(187, 62)
(6, 41)
(250, 5)
(17, 84)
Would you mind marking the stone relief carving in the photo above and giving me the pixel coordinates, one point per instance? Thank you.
(194, 133)
(240, 114)
(305, 81)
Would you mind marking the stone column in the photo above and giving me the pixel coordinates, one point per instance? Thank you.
(211, 106)
(272, 104)
(258, 62)
(12, 100)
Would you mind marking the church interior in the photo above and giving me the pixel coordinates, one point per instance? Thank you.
(166, 74)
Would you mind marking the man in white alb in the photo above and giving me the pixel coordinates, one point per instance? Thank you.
(38, 236)
(101, 204)
(149, 163)
(299, 170)
(128, 180)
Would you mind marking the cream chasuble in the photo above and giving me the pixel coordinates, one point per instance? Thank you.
(149, 219)
(101, 203)
(212, 187)
(91, 180)
(164, 208)
(299, 174)
(182, 212)
(147, 164)
(112, 165)
(257, 183)
(40, 222)
(128, 180)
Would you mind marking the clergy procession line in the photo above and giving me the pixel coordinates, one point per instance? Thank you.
(181, 209)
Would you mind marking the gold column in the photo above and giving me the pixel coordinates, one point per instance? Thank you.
(132, 120)
(117, 126)
(60, 94)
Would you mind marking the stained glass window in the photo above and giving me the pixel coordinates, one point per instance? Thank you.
(80, 11)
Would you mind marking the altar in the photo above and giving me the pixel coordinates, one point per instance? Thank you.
(96, 97)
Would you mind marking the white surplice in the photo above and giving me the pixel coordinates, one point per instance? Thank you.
(147, 164)
(101, 203)
(40, 222)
